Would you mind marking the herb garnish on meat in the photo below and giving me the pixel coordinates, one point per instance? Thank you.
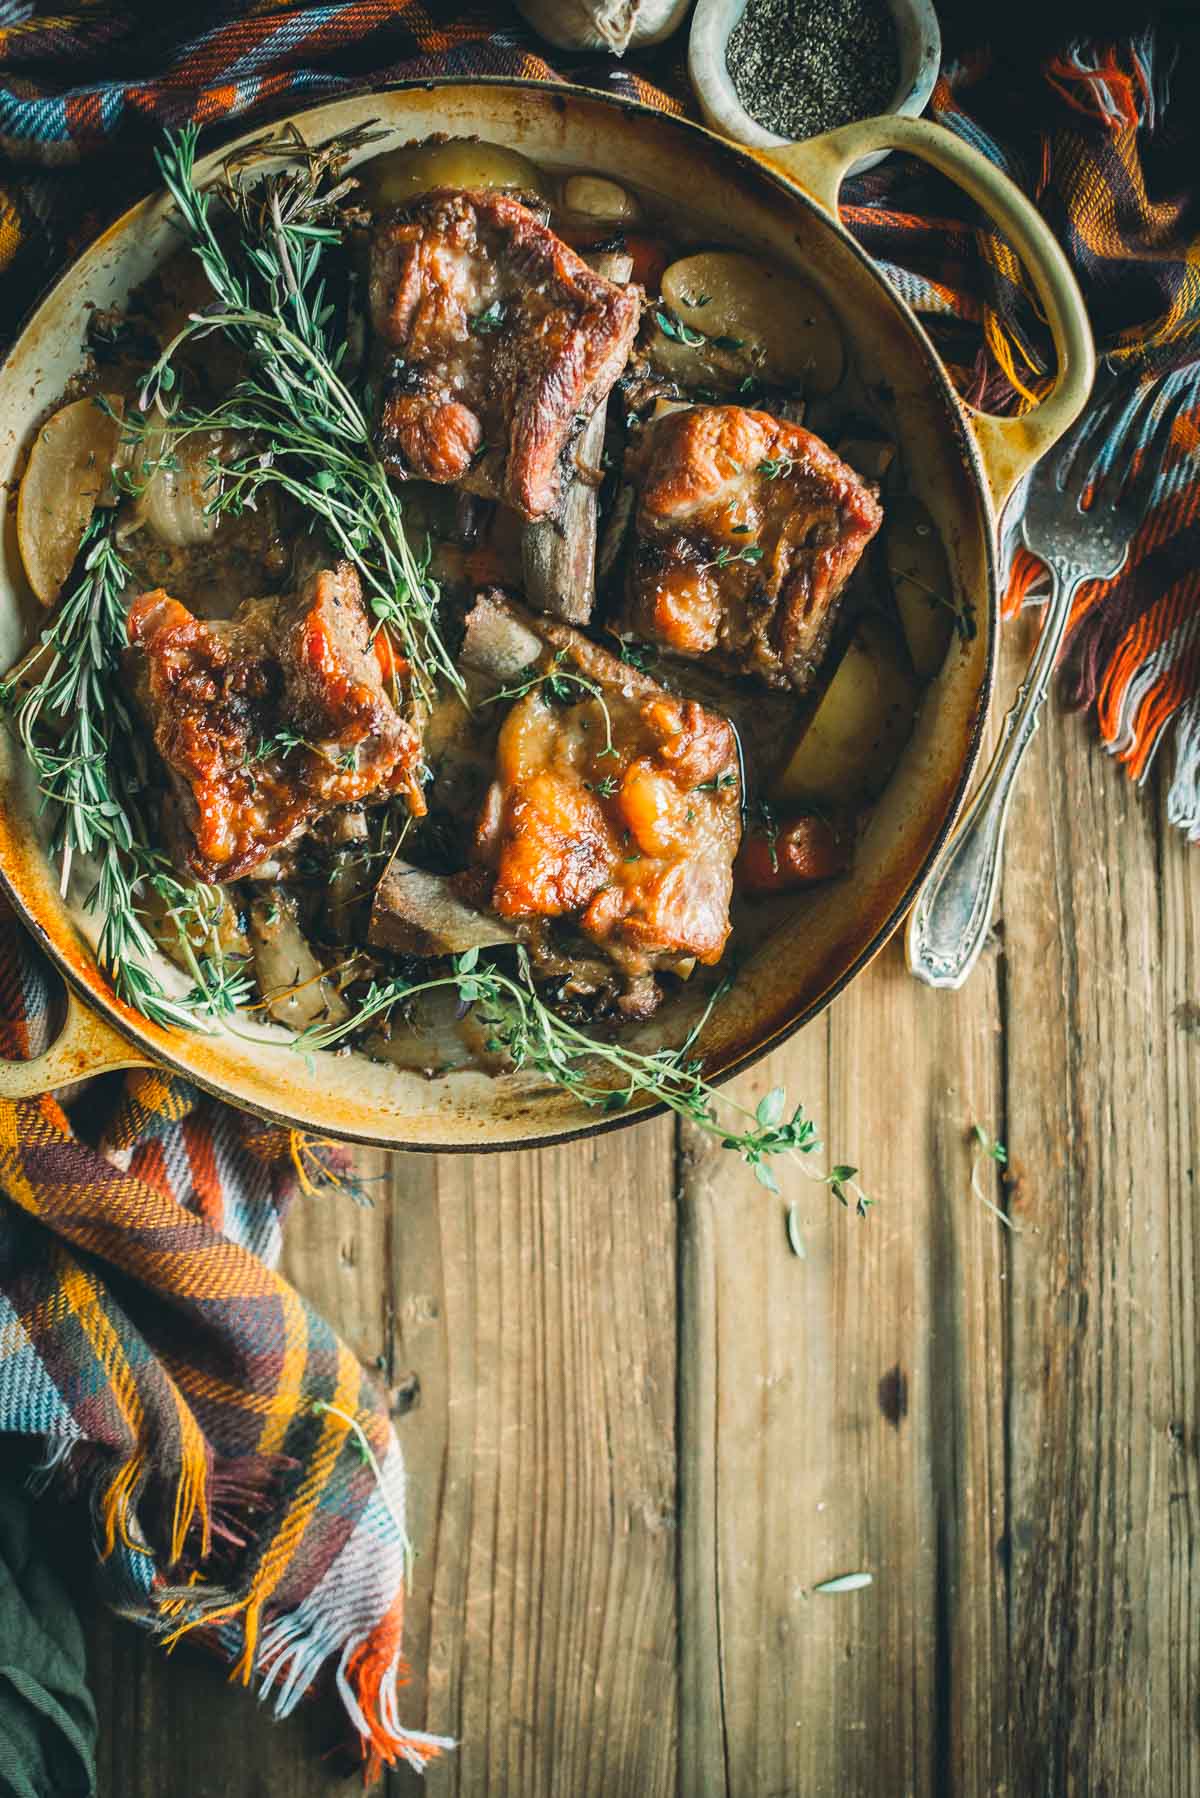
(78, 736)
(272, 302)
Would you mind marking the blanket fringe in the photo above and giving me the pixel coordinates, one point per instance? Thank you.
(219, 1502)
(369, 1675)
(296, 1646)
(1091, 79)
(1183, 798)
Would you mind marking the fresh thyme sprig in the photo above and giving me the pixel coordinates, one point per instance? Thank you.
(775, 466)
(725, 558)
(75, 729)
(607, 1076)
(557, 680)
(767, 824)
(962, 610)
(272, 302)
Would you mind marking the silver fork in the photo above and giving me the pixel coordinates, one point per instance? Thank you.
(950, 920)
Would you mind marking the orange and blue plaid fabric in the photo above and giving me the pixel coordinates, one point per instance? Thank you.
(241, 1469)
(243, 1477)
(1106, 140)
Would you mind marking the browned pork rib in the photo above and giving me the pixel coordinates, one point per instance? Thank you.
(497, 338)
(747, 529)
(268, 719)
(616, 810)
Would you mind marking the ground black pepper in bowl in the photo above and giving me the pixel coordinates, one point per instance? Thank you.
(805, 66)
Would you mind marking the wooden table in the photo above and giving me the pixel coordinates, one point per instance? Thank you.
(641, 1432)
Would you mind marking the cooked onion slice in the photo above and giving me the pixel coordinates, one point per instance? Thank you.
(290, 977)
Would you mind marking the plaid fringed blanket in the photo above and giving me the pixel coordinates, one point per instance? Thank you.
(244, 1481)
(243, 1478)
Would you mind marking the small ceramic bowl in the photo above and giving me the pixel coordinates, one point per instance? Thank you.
(920, 42)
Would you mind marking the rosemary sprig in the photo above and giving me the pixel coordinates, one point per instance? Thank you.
(272, 302)
(76, 731)
(607, 1076)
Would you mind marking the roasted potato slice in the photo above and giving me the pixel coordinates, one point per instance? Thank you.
(770, 324)
(68, 473)
(854, 738)
(400, 175)
(921, 581)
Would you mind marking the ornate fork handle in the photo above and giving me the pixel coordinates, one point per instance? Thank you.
(948, 923)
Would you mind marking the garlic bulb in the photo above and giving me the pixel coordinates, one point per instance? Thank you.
(613, 25)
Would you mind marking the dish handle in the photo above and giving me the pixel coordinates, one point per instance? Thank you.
(87, 1044)
(1009, 447)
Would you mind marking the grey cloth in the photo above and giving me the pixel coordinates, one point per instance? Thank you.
(47, 1717)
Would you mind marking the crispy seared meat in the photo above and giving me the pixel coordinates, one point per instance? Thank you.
(268, 719)
(634, 845)
(747, 529)
(497, 338)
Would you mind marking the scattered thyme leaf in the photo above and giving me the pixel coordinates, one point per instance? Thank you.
(987, 1146)
(482, 324)
(637, 655)
(725, 558)
(768, 826)
(846, 1582)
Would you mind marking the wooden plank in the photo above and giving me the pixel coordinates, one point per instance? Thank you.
(538, 1317)
(1100, 935)
(838, 1418)
(845, 1414)
(1175, 1593)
